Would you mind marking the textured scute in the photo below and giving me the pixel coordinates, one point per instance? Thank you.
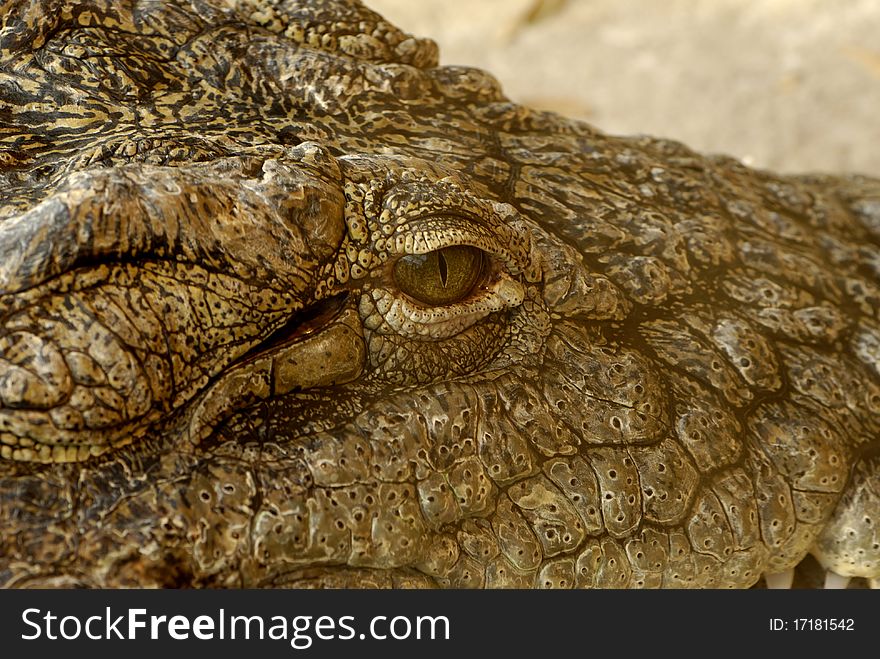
(850, 544)
(667, 372)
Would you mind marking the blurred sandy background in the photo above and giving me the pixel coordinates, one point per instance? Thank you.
(792, 85)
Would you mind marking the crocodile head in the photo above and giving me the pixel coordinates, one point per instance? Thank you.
(282, 302)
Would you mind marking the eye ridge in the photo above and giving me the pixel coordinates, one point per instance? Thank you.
(441, 277)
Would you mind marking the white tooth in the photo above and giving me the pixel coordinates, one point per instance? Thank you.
(780, 580)
(874, 583)
(834, 581)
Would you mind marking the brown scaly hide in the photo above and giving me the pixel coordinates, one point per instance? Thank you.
(666, 374)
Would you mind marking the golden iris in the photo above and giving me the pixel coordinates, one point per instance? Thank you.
(444, 276)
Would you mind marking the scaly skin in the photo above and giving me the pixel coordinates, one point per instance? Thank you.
(668, 373)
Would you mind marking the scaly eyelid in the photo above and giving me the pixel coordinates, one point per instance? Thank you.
(388, 311)
(501, 242)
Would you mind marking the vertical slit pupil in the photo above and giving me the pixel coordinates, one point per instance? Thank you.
(440, 277)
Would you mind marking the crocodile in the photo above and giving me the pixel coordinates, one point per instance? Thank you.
(284, 303)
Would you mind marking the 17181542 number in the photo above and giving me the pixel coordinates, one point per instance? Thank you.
(812, 624)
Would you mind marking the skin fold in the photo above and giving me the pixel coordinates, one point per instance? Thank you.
(285, 303)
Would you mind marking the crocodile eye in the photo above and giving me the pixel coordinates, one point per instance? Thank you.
(444, 276)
